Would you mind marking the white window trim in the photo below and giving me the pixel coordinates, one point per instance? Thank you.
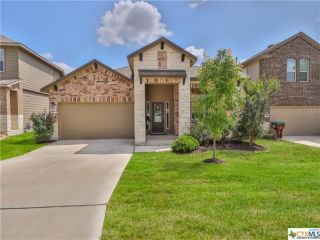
(2, 49)
(304, 71)
(295, 70)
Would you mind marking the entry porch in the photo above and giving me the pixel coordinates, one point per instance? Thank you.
(162, 105)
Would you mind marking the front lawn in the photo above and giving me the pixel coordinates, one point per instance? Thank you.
(251, 196)
(18, 145)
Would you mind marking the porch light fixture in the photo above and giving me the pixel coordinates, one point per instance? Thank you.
(184, 81)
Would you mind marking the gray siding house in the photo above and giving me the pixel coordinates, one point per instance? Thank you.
(22, 73)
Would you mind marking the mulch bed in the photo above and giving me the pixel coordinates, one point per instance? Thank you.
(214, 160)
(231, 145)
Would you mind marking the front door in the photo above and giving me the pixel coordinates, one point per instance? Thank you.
(157, 120)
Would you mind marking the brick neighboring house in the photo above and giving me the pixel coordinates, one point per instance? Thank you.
(296, 63)
(22, 73)
(96, 101)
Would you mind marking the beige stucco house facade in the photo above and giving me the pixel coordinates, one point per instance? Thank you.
(296, 63)
(22, 73)
(150, 96)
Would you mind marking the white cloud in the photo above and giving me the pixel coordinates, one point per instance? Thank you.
(131, 22)
(66, 68)
(196, 3)
(198, 52)
(47, 55)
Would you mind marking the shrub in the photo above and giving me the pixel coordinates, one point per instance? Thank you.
(199, 132)
(42, 126)
(185, 144)
(256, 100)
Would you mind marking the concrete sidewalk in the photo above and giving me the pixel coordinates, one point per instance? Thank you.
(60, 191)
(313, 141)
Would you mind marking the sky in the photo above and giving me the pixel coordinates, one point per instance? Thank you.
(71, 33)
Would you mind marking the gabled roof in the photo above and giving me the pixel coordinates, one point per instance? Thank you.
(167, 41)
(275, 46)
(45, 88)
(5, 41)
(125, 71)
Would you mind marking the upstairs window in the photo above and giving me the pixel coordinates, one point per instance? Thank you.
(162, 45)
(182, 57)
(140, 57)
(291, 70)
(303, 70)
(1, 60)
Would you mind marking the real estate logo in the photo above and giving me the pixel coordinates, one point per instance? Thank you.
(303, 233)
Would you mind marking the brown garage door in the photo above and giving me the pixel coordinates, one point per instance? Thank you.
(95, 120)
(299, 120)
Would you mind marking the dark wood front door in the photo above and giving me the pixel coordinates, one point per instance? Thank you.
(157, 119)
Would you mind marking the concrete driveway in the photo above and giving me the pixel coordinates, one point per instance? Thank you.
(61, 191)
(313, 141)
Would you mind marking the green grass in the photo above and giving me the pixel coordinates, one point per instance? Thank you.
(251, 196)
(18, 145)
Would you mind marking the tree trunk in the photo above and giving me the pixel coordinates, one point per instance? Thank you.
(214, 148)
(250, 140)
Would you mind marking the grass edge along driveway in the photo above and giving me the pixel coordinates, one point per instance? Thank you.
(17, 145)
(251, 196)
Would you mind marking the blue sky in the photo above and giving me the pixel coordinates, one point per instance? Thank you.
(68, 31)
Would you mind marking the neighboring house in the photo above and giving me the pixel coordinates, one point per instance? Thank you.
(22, 73)
(95, 101)
(296, 63)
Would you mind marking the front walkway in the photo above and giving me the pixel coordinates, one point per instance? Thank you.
(61, 191)
(313, 141)
(156, 143)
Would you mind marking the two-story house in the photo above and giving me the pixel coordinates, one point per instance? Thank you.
(296, 63)
(150, 96)
(22, 73)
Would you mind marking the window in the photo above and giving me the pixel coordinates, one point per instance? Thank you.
(182, 57)
(291, 70)
(1, 60)
(148, 108)
(140, 57)
(304, 70)
(167, 115)
(162, 45)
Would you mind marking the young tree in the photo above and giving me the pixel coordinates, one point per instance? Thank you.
(218, 83)
(256, 102)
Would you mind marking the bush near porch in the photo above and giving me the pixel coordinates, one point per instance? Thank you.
(251, 196)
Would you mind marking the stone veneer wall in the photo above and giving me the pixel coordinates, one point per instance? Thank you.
(11, 121)
(150, 61)
(90, 85)
(294, 93)
(176, 109)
